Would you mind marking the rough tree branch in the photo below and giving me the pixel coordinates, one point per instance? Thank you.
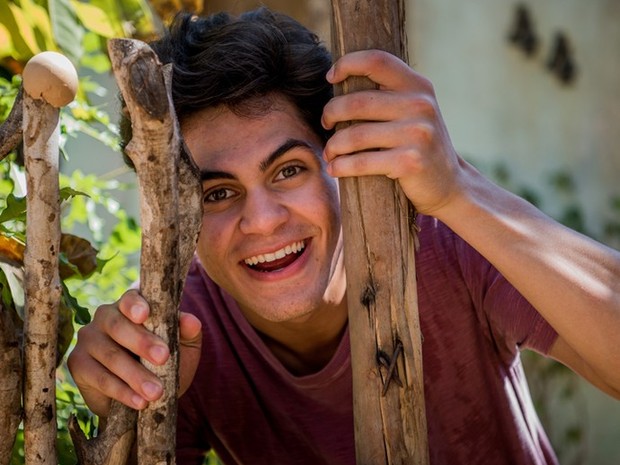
(171, 212)
(50, 81)
(386, 349)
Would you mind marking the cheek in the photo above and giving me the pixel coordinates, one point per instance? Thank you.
(210, 242)
(331, 198)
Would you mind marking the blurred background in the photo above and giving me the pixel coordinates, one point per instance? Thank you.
(529, 91)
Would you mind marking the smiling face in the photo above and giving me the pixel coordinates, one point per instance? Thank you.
(270, 232)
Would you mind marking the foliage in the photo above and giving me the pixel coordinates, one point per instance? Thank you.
(96, 268)
(76, 29)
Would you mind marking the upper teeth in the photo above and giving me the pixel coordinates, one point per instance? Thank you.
(270, 257)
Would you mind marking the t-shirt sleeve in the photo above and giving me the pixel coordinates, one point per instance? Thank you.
(512, 322)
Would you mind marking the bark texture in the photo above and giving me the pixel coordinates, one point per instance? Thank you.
(11, 382)
(11, 129)
(42, 282)
(378, 229)
(171, 213)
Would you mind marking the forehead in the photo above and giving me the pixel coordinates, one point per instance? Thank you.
(218, 136)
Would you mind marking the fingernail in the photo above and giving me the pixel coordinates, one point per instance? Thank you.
(151, 390)
(137, 311)
(330, 73)
(138, 401)
(159, 353)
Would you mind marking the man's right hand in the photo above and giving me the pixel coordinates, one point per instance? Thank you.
(104, 361)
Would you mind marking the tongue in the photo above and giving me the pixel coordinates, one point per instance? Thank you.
(276, 264)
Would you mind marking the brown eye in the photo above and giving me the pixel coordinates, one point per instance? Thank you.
(289, 172)
(217, 195)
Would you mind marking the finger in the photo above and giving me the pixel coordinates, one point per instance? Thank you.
(118, 361)
(359, 137)
(190, 350)
(190, 333)
(376, 105)
(134, 306)
(133, 337)
(383, 68)
(98, 386)
(391, 163)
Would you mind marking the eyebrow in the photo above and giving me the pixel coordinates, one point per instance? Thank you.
(206, 175)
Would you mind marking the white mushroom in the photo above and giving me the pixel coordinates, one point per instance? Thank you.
(52, 77)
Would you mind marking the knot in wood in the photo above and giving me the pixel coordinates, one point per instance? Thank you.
(390, 363)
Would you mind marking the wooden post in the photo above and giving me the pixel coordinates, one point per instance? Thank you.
(10, 329)
(171, 215)
(378, 229)
(50, 81)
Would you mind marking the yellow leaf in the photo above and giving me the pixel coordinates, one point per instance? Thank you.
(6, 44)
(95, 19)
(11, 251)
(25, 29)
(40, 22)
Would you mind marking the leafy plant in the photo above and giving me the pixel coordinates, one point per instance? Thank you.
(96, 267)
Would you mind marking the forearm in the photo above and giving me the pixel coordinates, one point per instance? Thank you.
(573, 281)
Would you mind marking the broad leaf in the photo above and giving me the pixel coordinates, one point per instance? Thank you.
(68, 31)
(11, 251)
(6, 43)
(97, 20)
(15, 209)
(40, 23)
(78, 257)
(82, 315)
(18, 26)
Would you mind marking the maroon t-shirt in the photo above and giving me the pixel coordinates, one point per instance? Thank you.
(244, 404)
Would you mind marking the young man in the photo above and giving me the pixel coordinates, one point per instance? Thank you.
(265, 363)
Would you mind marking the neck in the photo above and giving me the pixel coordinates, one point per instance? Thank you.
(305, 347)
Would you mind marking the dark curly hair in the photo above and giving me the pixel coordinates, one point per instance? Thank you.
(241, 61)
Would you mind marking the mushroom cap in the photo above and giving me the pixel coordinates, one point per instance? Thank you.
(52, 77)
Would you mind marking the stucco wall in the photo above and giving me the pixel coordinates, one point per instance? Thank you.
(501, 104)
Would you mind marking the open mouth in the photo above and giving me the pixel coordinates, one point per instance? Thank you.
(277, 260)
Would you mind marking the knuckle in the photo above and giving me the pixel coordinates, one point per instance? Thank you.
(420, 134)
(112, 355)
(103, 382)
(378, 58)
(425, 105)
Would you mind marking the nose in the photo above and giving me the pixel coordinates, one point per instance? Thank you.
(263, 212)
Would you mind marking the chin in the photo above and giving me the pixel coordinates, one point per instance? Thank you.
(282, 313)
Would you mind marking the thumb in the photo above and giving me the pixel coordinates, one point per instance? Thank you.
(190, 333)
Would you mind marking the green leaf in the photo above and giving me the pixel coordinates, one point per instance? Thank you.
(65, 328)
(15, 209)
(96, 19)
(40, 22)
(68, 31)
(5, 290)
(113, 12)
(82, 315)
(139, 14)
(98, 62)
(21, 32)
(67, 193)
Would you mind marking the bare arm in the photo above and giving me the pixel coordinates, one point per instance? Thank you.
(573, 281)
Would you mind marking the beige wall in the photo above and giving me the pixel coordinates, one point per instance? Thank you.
(502, 105)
